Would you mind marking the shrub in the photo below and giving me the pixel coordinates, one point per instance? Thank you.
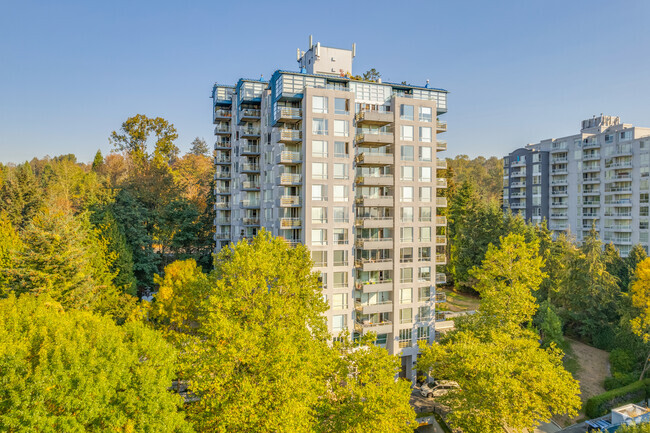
(599, 405)
(618, 380)
(621, 361)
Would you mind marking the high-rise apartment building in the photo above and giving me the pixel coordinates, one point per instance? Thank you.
(599, 177)
(350, 169)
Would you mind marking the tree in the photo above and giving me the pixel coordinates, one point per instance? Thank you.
(98, 162)
(199, 147)
(74, 371)
(21, 196)
(640, 293)
(634, 428)
(550, 326)
(504, 380)
(134, 134)
(485, 174)
(9, 244)
(371, 75)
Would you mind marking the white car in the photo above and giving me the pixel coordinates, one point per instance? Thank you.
(438, 388)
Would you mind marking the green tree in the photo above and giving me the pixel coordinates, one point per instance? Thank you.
(98, 161)
(635, 428)
(21, 196)
(74, 371)
(199, 147)
(371, 75)
(549, 325)
(135, 133)
(10, 244)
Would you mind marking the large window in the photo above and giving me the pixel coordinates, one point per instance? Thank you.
(319, 170)
(405, 337)
(424, 274)
(319, 215)
(406, 112)
(339, 301)
(406, 315)
(339, 322)
(340, 280)
(424, 294)
(341, 106)
(407, 173)
(424, 254)
(406, 133)
(425, 154)
(340, 236)
(425, 134)
(406, 276)
(340, 192)
(426, 114)
(425, 174)
(319, 148)
(424, 314)
(341, 149)
(340, 214)
(341, 171)
(319, 104)
(425, 214)
(406, 255)
(407, 194)
(425, 194)
(319, 192)
(319, 258)
(319, 126)
(407, 153)
(406, 234)
(319, 236)
(425, 234)
(341, 128)
(406, 214)
(340, 256)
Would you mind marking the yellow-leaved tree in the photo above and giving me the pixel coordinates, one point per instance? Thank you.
(640, 293)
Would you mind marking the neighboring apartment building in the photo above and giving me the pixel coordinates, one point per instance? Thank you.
(348, 168)
(599, 177)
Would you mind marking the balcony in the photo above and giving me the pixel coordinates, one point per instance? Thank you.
(619, 228)
(620, 178)
(591, 157)
(223, 143)
(378, 201)
(374, 286)
(619, 189)
(222, 221)
(222, 129)
(374, 222)
(441, 201)
(562, 160)
(375, 158)
(441, 164)
(374, 264)
(249, 185)
(289, 136)
(560, 182)
(248, 132)
(288, 114)
(441, 278)
(441, 146)
(374, 243)
(288, 157)
(225, 160)
(558, 227)
(290, 223)
(250, 168)
(249, 114)
(441, 221)
(378, 328)
(222, 175)
(590, 168)
(441, 259)
(441, 126)
(624, 164)
(559, 171)
(251, 221)
(517, 184)
(221, 236)
(441, 182)
(440, 296)
(222, 114)
(520, 163)
(559, 204)
(222, 205)
(385, 179)
(559, 193)
(250, 150)
(221, 190)
(290, 201)
(441, 240)
(250, 203)
(374, 117)
(374, 138)
(290, 179)
(517, 205)
(626, 202)
(382, 307)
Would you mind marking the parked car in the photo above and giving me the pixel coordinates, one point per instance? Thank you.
(438, 388)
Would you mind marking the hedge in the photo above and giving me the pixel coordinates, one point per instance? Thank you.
(600, 405)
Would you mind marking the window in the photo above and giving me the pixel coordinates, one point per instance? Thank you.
(319, 148)
(425, 154)
(406, 294)
(340, 236)
(323, 282)
(406, 275)
(319, 170)
(424, 274)
(341, 106)
(423, 333)
(340, 193)
(425, 214)
(341, 149)
(406, 255)
(407, 193)
(424, 254)
(341, 171)
(341, 128)
(406, 234)
(339, 301)
(319, 104)
(340, 214)
(425, 234)
(426, 114)
(405, 337)
(319, 192)
(339, 322)
(424, 294)
(319, 126)
(319, 215)
(425, 193)
(381, 339)
(340, 280)
(406, 315)
(406, 214)
(319, 236)
(406, 112)
(340, 257)
(319, 258)
(425, 134)
(406, 132)
(407, 172)
(424, 314)
(425, 174)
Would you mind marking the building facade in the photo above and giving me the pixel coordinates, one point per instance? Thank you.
(350, 169)
(599, 178)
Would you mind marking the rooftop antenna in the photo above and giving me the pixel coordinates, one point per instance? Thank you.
(297, 54)
(354, 50)
(311, 42)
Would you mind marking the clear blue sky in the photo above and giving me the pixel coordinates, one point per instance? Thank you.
(518, 71)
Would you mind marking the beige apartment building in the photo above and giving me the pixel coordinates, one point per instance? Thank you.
(349, 168)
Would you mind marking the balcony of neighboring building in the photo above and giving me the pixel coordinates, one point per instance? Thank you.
(249, 167)
(374, 243)
(621, 202)
(441, 240)
(251, 221)
(372, 264)
(374, 137)
(221, 113)
(222, 221)
(222, 159)
(518, 163)
(441, 145)
(619, 178)
(591, 201)
(617, 189)
(441, 259)
(591, 156)
(253, 203)
(290, 201)
(619, 227)
(222, 205)
(249, 131)
(249, 115)
(378, 307)
(221, 236)
(559, 170)
(517, 205)
(374, 117)
(559, 214)
(250, 185)
(288, 157)
(364, 327)
(441, 164)
(223, 190)
(619, 215)
(441, 183)
(558, 226)
(288, 114)
(441, 221)
(518, 184)
(374, 222)
(559, 192)
(290, 223)
(222, 128)
(250, 149)
(441, 201)
(222, 175)
(441, 126)
(375, 179)
(591, 167)
(375, 201)
(289, 136)
(559, 182)
(375, 285)
(441, 279)
(375, 158)
(222, 143)
(289, 179)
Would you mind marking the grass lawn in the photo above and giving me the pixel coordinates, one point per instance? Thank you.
(458, 301)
